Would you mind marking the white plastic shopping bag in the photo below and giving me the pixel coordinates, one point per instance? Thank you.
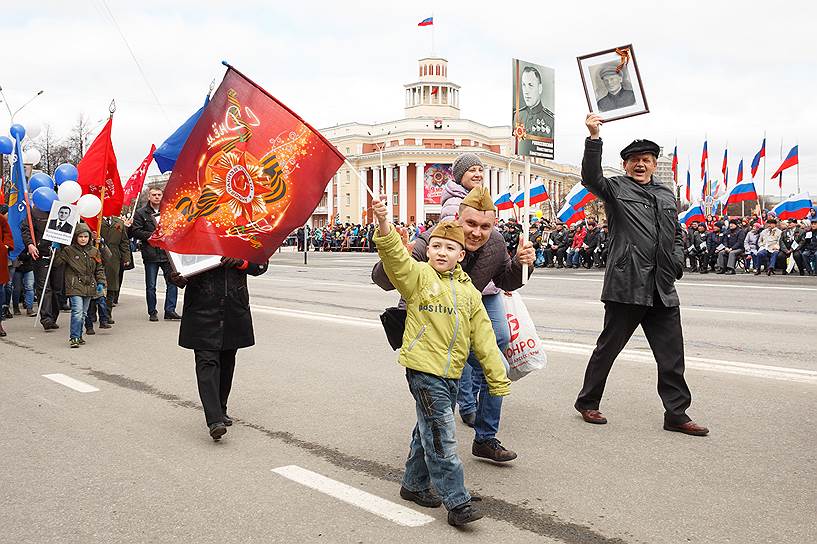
(524, 352)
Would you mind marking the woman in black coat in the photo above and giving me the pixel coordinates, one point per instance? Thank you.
(216, 322)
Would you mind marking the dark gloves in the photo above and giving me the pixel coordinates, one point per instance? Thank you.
(178, 280)
(229, 262)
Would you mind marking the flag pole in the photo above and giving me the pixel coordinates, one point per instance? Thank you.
(780, 183)
(45, 285)
(111, 109)
(796, 144)
(764, 174)
(708, 174)
(526, 218)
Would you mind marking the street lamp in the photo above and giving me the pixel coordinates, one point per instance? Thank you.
(30, 100)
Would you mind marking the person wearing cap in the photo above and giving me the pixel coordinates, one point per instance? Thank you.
(645, 259)
(445, 321)
(486, 260)
(617, 96)
(734, 241)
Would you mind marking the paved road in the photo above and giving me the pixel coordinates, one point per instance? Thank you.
(132, 462)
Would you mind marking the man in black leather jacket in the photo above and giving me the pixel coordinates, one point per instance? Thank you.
(645, 259)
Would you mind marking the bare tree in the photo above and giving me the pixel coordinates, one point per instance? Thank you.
(54, 150)
(78, 140)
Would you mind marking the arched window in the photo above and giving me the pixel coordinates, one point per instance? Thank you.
(438, 69)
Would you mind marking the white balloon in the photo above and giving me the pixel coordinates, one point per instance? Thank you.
(88, 205)
(33, 129)
(32, 156)
(69, 191)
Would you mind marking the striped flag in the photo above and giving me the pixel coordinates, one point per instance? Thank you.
(758, 156)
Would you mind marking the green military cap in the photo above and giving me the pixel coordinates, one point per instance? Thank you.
(480, 199)
(450, 230)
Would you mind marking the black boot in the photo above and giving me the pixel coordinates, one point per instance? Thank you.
(465, 513)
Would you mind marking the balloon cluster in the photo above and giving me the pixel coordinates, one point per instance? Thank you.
(45, 190)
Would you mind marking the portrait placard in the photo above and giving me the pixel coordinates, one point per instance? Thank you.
(533, 117)
(62, 220)
(612, 83)
(190, 265)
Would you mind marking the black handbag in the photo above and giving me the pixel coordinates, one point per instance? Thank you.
(394, 323)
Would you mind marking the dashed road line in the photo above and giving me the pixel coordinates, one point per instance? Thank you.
(371, 503)
(72, 383)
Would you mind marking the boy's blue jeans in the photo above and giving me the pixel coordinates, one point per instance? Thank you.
(433, 455)
(79, 309)
(24, 287)
(473, 395)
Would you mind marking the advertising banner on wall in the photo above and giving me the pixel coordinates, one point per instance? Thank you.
(436, 176)
(533, 100)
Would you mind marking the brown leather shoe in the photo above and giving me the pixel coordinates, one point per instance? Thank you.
(593, 416)
(690, 427)
(492, 449)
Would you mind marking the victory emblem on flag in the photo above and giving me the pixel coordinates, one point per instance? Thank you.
(250, 173)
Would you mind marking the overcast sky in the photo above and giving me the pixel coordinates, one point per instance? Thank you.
(728, 70)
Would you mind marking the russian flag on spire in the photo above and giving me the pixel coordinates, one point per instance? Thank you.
(725, 168)
(791, 160)
(689, 186)
(758, 155)
(426, 22)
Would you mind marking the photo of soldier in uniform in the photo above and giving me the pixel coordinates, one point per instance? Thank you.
(612, 83)
(533, 119)
(612, 87)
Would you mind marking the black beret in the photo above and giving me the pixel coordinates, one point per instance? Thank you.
(640, 146)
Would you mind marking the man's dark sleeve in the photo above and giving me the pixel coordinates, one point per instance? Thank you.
(592, 176)
(379, 276)
(256, 269)
(124, 247)
(25, 232)
(138, 228)
(678, 250)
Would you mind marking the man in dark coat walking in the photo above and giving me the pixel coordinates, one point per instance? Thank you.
(216, 322)
(645, 259)
(48, 296)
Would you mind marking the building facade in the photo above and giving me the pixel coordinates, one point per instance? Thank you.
(410, 159)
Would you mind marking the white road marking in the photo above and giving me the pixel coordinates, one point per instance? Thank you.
(68, 381)
(698, 363)
(371, 503)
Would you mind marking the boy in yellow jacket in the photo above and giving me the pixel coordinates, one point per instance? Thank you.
(445, 320)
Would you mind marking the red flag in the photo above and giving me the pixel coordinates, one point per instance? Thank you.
(97, 169)
(251, 172)
(674, 165)
(137, 180)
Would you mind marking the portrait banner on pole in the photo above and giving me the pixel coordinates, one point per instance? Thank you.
(533, 105)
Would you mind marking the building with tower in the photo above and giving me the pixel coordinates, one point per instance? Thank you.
(410, 159)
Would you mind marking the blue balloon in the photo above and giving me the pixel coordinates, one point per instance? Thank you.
(38, 180)
(43, 198)
(6, 145)
(18, 131)
(65, 172)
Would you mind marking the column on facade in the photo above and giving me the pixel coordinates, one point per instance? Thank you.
(390, 190)
(402, 191)
(487, 181)
(361, 199)
(419, 193)
(330, 189)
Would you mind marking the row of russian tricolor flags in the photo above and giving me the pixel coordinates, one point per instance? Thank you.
(794, 207)
(571, 212)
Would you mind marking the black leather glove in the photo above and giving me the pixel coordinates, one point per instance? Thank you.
(229, 262)
(178, 280)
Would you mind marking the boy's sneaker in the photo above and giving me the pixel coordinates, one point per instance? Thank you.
(74, 343)
(492, 449)
(81, 341)
(465, 513)
(30, 312)
(426, 498)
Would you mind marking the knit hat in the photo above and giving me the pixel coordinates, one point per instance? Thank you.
(463, 163)
(480, 199)
(450, 230)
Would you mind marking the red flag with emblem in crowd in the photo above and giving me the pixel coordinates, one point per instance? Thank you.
(98, 169)
(251, 172)
(137, 180)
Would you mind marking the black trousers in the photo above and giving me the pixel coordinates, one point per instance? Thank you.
(214, 372)
(49, 300)
(662, 327)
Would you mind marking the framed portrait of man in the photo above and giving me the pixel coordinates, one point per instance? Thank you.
(612, 83)
(62, 220)
(190, 265)
(533, 117)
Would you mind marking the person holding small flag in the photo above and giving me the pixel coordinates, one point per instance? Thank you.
(645, 260)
